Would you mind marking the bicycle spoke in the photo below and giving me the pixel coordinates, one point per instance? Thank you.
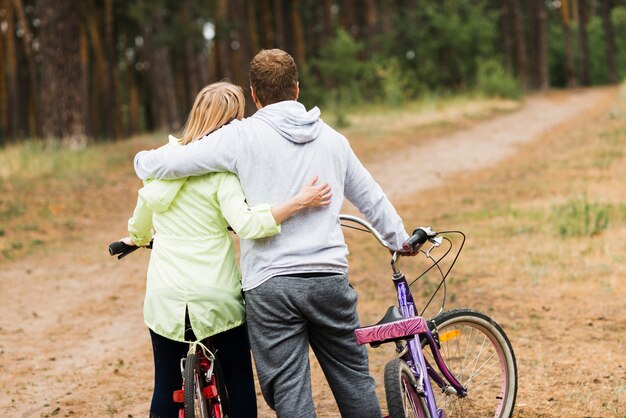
(476, 360)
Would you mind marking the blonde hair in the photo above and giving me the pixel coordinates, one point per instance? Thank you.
(215, 106)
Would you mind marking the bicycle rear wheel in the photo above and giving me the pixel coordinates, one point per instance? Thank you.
(196, 405)
(480, 356)
(402, 398)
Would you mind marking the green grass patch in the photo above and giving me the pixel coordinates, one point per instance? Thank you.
(579, 217)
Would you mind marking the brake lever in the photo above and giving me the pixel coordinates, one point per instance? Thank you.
(436, 241)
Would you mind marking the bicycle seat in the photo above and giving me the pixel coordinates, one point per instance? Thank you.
(392, 327)
(393, 314)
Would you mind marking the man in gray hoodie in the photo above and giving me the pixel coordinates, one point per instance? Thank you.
(296, 287)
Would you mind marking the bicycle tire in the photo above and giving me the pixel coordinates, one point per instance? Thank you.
(195, 405)
(471, 345)
(402, 398)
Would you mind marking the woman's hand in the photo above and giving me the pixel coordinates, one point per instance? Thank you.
(128, 241)
(312, 195)
(309, 196)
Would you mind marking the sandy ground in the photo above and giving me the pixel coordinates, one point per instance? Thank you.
(72, 339)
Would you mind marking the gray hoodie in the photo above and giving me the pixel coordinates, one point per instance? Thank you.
(274, 153)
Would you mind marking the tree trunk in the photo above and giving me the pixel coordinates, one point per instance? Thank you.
(609, 40)
(242, 33)
(583, 51)
(567, 40)
(163, 100)
(223, 41)
(505, 25)
(543, 81)
(252, 29)
(268, 28)
(4, 95)
(371, 25)
(190, 73)
(533, 36)
(101, 107)
(33, 125)
(279, 24)
(14, 97)
(326, 20)
(348, 19)
(520, 43)
(298, 33)
(133, 100)
(63, 80)
(112, 70)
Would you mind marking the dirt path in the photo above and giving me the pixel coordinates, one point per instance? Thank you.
(72, 339)
(429, 164)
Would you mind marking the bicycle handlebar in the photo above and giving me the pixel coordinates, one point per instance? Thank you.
(122, 250)
(419, 237)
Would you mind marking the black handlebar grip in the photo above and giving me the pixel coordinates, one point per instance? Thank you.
(117, 247)
(120, 249)
(418, 238)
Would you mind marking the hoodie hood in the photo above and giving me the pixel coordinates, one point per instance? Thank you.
(159, 194)
(292, 121)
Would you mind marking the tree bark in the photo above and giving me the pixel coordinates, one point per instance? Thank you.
(520, 43)
(112, 70)
(348, 17)
(252, 26)
(268, 28)
(570, 73)
(370, 27)
(101, 108)
(543, 81)
(505, 25)
(279, 24)
(223, 41)
(609, 40)
(583, 51)
(63, 79)
(14, 97)
(34, 114)
(298, 33)
(163, 100)
(4, 95)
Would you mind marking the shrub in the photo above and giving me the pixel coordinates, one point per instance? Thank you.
(493, 80)
(578, 217)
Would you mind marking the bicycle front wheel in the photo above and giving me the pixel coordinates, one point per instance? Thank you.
(195, 403)
(480, 356)
(402, 398)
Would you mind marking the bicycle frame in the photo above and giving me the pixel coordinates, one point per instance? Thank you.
(412, 329)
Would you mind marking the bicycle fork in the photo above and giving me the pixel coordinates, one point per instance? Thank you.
(422, 370)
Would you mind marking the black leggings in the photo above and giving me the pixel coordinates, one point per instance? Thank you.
(233, 351)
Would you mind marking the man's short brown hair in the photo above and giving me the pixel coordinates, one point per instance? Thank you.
(273, 76)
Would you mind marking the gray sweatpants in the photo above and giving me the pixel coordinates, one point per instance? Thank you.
(285, 315)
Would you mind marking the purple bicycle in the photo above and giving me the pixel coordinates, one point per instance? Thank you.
(459, 363)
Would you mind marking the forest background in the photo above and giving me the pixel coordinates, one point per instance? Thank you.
(76, 72)
(484, 104)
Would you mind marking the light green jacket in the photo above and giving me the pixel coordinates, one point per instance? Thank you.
(193, 265)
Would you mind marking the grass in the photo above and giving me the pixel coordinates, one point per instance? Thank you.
(558, 296)
(545, 257)
(52, 195)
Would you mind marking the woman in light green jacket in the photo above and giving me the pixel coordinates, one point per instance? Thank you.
(193, 288)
